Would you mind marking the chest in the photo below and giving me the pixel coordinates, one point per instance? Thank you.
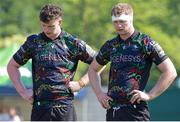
(127, 53)
(53, 54)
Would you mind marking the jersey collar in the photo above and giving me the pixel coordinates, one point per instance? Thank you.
(128, 39)
(58, 38)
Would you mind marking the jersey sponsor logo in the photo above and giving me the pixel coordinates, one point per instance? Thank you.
(51, 57)
(125, 58)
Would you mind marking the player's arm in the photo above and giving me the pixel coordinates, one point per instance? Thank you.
(166, 78)
(168, 74)
(95, 80)
(84, 80)
(14, 74)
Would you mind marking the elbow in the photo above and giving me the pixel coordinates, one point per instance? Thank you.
(89, 71)
(92, 69)
(12, 65)
(8, 67)
(173, 74)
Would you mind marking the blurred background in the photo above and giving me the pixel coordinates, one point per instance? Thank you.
(89, 20)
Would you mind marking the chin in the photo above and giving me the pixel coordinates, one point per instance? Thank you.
(121, 33)
(48, 35)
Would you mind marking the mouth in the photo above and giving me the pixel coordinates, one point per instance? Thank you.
(120, 29)
(48, 33)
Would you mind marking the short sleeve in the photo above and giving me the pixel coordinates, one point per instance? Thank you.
(154, 51)
(85, 52)
(25, 51)
(103, 57)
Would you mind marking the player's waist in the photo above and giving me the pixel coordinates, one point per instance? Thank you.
(126, 104)
(53, 103)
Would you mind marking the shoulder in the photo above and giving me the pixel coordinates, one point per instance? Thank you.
(36, 39)
(145, 39)
(149, 45)
(111, 43)
(113, 40)
(32, 37)
(72, 39)
(69, 37)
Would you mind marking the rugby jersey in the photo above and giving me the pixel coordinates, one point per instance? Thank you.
(131, 61)
(54, 63)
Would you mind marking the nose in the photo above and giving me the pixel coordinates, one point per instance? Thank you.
(46, 30)
(119, 25)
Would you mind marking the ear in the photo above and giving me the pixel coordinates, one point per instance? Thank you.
(60, 21)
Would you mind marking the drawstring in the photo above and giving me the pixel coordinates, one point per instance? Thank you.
(114, 110)
(118, 107)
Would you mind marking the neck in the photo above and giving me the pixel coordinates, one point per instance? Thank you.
(56, 34)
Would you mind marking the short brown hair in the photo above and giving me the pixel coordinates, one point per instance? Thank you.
(50, 12)
(122, 8)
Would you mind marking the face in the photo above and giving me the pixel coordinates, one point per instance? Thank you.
(52, 28)
(123, 27)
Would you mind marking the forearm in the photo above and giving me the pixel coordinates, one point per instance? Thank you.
(163, 83)
(14, 75)
(165, 80)
(95, 81)
(85, 79)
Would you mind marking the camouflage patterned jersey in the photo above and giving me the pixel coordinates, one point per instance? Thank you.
(131, 61)
(54, 63)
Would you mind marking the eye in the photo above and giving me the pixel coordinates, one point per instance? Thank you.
(43, 25)
(51, 26)
(122, 21)
(116, 22)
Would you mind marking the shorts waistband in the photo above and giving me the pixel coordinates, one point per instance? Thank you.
(121, 105)
(58, 103)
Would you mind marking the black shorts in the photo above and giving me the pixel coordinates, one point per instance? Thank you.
(123, 112)
(54, 113)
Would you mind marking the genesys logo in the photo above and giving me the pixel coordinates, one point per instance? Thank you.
(125, 58)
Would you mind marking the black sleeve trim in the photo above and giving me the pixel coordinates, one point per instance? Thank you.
(16, 59)
(162, 59)
(99, 61)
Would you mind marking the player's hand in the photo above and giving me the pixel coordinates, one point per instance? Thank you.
(28, 95)
(74, 86)
(138, 95)
(104, 100)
